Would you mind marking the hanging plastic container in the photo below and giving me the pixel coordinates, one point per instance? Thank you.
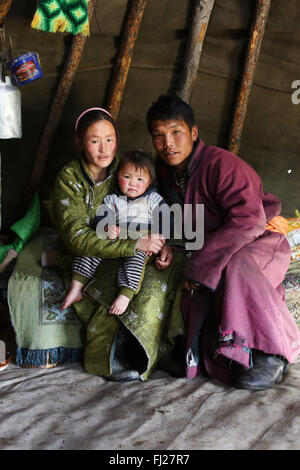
(25, 68)
(10, 110)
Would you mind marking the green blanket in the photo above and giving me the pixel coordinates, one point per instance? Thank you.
(44, 334)
(153, 317)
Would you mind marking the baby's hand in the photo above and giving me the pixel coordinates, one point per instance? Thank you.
(113, 232)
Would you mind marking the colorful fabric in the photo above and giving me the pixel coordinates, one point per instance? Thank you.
(62, 16)
(44, 334)
(293, 236)
(278, 224)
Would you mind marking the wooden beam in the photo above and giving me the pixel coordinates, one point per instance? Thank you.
(124, 56)
(62, 93)
(200, 18)
(4, 9)
(255, 42)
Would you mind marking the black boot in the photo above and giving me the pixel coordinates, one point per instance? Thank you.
(121, 369)
(268, 370)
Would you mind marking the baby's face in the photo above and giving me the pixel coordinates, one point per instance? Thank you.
(133, 182)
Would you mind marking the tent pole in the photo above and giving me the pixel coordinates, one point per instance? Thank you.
(124, 56)
(200, 18)
(66, 80)
(254, 46)
(4, 9)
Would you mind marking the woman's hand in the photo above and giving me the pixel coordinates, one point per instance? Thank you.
(152, 244)
(165, 258)
(113, 232)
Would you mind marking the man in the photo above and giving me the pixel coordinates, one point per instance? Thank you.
(239, 329)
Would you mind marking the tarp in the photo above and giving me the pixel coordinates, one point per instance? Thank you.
(66, 408)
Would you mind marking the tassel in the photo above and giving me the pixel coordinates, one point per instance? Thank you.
(44, 357)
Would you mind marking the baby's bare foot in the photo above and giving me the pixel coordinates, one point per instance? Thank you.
(74, 295)
(119, 305)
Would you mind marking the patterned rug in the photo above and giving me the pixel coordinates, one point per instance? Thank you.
(44, 334)
(52, 291)
(62, 16)
(291, 284)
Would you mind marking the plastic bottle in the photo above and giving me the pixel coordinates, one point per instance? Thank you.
(10, 110)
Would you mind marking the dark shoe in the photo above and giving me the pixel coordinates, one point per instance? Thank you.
(124, 376)
(267, 371)
(121, 373)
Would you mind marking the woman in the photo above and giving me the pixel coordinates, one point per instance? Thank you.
(127, 347)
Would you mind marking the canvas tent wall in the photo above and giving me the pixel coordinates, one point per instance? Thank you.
(270, 141)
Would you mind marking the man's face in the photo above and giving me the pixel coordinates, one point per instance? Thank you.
(173, 140)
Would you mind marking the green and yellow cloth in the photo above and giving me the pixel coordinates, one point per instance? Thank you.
(62, 16)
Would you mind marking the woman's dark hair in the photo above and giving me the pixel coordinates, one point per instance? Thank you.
(90, 118)
(170, 107)
(141, 161)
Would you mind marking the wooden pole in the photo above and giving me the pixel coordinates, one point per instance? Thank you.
(4, 9)
(255, 42)
(124, 56)
(68, 74)
(200, 18)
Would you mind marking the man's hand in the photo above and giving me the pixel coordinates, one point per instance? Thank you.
(152, 244)
(165, 258)
(113, 232)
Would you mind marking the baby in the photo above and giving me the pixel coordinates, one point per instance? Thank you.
(132, 204)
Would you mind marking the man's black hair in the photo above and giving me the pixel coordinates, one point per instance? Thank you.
(170, 107)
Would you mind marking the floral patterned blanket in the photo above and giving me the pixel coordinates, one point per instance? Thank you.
(153, 317)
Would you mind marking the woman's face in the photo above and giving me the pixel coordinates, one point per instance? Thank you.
(99, 145)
